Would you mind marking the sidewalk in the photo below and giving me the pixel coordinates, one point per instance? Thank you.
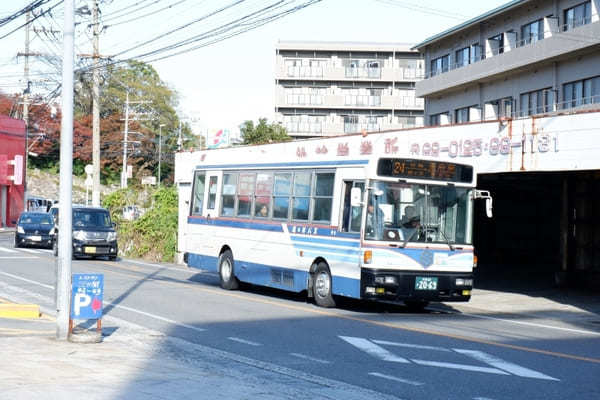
(136, 362)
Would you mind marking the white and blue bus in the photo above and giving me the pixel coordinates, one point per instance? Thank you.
(371, 227)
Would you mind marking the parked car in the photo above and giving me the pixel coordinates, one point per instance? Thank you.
(34, 229)
(94, 234)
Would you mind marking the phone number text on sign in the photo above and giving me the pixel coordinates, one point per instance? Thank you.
(541, 143)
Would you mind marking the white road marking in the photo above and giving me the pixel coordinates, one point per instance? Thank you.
(505, 365)
(373, 349)
(27, 280)
(18, 258)
(6, 250)
(244, 341)
(31, 251)
(410, 345)
(558, 328)
(195, 271)
(500, 367)
(309, 358)
(464, 367)
(157, 317)
(393, 378)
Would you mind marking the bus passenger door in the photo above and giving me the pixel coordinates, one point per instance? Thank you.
(212, 238)
(351, 216)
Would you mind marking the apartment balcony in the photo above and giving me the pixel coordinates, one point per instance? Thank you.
(559, 43)
(328, 73)
(349, 102)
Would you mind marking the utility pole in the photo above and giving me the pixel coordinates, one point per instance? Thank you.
(96, 110)
(65, 225)
(124, 173)
(159, 149)
(26, 105)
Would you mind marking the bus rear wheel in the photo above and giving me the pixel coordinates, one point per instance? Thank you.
(226, 271)
(322, 286)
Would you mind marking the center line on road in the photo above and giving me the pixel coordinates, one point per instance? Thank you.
(244, 341)
(170, 321)
(395, 379)
(309, 358)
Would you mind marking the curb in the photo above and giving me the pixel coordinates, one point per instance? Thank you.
(29, 311)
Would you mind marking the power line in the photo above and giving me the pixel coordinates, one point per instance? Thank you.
(33, 19)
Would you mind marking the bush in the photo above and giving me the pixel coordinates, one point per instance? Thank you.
(154, 235)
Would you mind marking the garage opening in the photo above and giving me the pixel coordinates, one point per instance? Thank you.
(545, 231)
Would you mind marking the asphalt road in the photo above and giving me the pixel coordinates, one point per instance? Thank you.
(440, 353)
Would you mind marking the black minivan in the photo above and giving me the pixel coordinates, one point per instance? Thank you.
(94, 234)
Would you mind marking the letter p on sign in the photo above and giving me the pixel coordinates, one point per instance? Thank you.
(81, 300)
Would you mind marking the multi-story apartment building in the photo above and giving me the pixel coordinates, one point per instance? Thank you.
(334, 88)
(529, 71)
(524, 58)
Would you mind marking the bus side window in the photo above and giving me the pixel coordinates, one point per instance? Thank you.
(198, 193)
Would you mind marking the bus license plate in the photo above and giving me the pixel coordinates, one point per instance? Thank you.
(89, 250)
(426, 283)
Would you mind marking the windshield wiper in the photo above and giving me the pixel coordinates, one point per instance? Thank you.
(447, 240)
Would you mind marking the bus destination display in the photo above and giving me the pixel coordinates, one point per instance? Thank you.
(424, 169)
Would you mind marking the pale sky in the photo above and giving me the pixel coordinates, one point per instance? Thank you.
(231, 81)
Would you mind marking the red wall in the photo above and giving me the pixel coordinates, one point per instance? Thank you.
(12, 143)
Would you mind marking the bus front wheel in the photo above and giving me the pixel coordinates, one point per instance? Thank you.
(322, 286)
(226, 271)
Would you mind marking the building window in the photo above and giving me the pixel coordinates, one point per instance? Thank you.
(407, 122)
(532, 32)
(586, 91)
(578, 15)
(536, 102)
(475, 53)
(438, 119)
(461, 115)
(439, 65)
(497, 44)
(462, 57)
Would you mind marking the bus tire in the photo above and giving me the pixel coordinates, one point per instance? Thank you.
(227, 271)
(322, 286)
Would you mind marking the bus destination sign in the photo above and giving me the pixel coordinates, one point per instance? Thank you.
(424, 169)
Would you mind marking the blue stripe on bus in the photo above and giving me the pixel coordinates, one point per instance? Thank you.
(262, 274)
(345, 286)
(285, 164)
(334, 257)
(335, 250)
(200, 261)
(235, 224)
(333, 242)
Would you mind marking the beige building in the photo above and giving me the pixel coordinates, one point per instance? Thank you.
(334, 88)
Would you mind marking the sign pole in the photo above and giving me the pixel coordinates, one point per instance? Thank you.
(63, 270)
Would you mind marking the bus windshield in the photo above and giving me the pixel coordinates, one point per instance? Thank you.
(404, 212)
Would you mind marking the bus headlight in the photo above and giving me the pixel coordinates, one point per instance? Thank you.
(464, 282)
(387, 280)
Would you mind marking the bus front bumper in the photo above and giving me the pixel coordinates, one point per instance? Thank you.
(390, 285)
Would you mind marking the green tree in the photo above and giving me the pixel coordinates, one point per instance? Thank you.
(263, 132)
(153, 103)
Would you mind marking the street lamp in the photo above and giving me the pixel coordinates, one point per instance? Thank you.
(159, 149)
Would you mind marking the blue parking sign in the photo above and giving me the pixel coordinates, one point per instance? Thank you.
(86, 296)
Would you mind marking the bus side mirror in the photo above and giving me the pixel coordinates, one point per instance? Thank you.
(484, 194)
(356, 197)
(488, 207)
